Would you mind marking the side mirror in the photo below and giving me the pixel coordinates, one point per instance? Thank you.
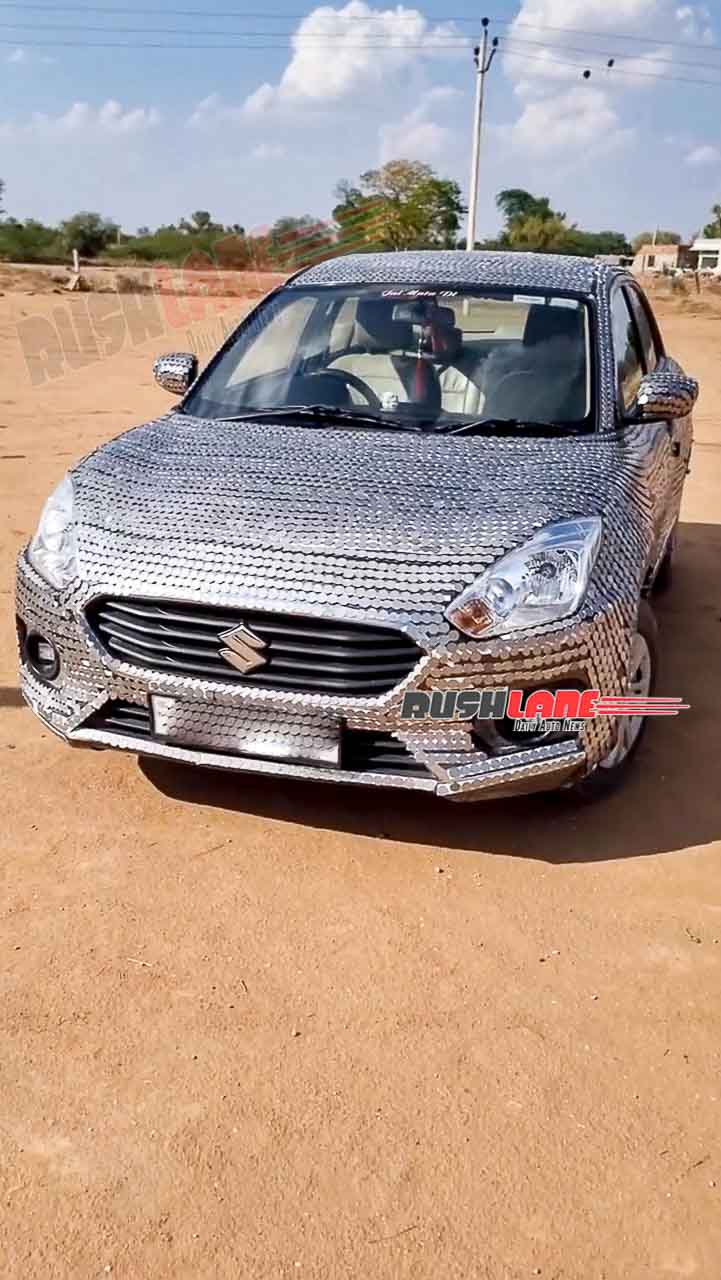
(665, 395)
(177, 372)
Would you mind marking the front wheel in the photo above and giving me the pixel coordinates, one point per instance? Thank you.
(641, 683)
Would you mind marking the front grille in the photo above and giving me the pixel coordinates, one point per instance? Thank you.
(366, 751)
(303, 655)
(122, 717)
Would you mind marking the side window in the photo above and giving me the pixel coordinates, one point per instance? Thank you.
(627, 349)
(647, 330)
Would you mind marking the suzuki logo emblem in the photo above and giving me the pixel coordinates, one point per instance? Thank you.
(243, 649)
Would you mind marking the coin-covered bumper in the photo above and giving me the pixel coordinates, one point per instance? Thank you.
(95, 701)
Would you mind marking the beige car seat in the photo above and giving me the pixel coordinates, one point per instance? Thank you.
(382, 351)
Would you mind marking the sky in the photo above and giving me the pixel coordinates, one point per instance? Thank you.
(258, 112)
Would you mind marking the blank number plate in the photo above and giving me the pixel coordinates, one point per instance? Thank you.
(308, 737)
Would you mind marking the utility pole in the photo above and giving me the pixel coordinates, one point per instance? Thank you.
(483, 62)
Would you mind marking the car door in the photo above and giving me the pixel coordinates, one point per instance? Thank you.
(632, 362)
(681, 429)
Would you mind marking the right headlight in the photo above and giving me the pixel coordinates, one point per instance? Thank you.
(53, 550)
(542, 581)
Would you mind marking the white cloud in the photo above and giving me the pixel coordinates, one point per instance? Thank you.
(337, 52)
(561, 108)
(83, 122)
(212, 111)
(579, 119)
(695, 23)
(268, 151)
(413, 138)
(641, 71)
(20, 56)
(703, 155)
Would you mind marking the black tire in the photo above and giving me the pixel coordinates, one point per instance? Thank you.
(664, 577)
(603, 781)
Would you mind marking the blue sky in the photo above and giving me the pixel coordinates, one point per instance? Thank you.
(148, 135)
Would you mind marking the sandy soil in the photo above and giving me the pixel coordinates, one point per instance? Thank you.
(28, 278)
(255, 1029)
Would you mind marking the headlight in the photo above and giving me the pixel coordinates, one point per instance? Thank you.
(53, 550)
(542, 581)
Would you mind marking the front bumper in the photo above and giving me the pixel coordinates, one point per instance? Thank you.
(443, 759)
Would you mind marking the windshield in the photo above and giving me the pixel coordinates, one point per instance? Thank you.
(432, 357)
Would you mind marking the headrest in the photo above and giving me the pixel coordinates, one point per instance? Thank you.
(376, 330)
(446, 341)
(545, 323)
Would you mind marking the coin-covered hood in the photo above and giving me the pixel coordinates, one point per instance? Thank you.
(343, 522)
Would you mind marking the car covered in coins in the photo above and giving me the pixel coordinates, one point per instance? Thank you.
(402, 473)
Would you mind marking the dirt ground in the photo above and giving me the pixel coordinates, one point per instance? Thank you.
(261, 1029)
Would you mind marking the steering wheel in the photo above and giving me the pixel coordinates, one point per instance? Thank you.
(351, 380)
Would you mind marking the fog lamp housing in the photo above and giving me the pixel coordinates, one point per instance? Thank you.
(41, 656)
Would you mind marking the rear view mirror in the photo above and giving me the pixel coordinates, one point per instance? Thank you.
(176, 372)
(665, 395)
(418, 312)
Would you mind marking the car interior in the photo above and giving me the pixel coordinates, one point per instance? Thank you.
(419, 355)
(458, 357)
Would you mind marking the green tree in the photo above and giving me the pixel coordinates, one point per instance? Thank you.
(587, 244)
(517, 205)
(402, 205)
(2, 191)
(711, 231)
(296, 241)
(662, 237)
(89, 233)
(539, 234)
(354, 216)
(28, 241)
(201, 223)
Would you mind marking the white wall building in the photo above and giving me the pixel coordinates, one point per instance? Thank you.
(709, 254)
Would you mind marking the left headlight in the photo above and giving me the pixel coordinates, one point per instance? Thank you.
(53, 550)
(542, 581)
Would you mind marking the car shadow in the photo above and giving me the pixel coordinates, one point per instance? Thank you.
(671, 799)
(10, 697)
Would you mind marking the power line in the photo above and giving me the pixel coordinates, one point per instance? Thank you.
(374, 41)
(601, 35)
(511, 42)
(283, 15)
(438, 41)
(134, 44)
(644, 75)
(230, 44)
(213, 13)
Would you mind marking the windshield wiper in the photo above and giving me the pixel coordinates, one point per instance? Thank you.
(510, 427)
(319, 414)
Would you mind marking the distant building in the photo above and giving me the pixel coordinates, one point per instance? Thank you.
(708, 254)
(661, 257)
(615, 259)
